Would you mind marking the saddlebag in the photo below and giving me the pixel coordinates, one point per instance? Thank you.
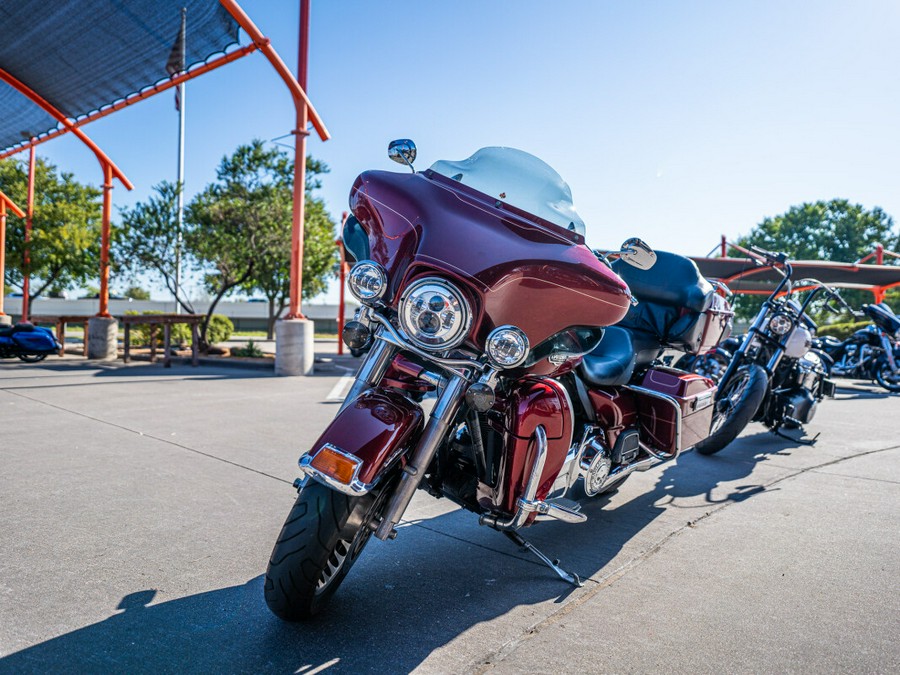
(667, 395)
(35, 341)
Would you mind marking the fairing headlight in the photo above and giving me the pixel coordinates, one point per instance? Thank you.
(507, 346)
(434, 314)
(367, 281)
(780, 324)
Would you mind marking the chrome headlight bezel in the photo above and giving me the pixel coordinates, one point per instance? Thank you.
(494, 348)
(780, 324)
(370, 271)
(454, 299)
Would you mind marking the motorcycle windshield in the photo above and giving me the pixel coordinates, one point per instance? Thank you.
(518, 179)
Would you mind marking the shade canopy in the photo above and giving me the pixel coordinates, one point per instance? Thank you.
(83, 55)
(743, 275)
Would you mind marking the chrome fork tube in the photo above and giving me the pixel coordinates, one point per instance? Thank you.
(371, 371)
(435, 432)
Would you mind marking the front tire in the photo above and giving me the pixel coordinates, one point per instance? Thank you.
(322, 537)
(32, 358)
(885, 377)
(736, 405)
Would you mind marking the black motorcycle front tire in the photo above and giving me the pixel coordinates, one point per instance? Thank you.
(32, 358)
(755, 382)
(883, 376)
(322, 537)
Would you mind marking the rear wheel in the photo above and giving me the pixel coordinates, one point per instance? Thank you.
(885, 377)
(323, 536)
(736, 405)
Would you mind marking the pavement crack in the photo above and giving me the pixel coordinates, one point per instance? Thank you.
(487, 662)
(146, 435)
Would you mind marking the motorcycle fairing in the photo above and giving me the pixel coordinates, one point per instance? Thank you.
(375, 430)
(509, 259)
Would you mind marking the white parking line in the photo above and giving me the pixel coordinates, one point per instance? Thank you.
(339, 390)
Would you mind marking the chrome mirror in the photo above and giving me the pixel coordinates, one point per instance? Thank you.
(637, 253)
(403, 151)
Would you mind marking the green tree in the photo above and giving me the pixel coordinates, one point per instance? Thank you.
(64, 250)
(239, 225)
(137, 293)
(271, 274)
(835, 230)
(146, 239)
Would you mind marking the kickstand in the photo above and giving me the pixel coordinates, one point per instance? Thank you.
(552, 564)
(811, 441)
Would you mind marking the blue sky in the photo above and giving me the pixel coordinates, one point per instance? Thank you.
(675, 121)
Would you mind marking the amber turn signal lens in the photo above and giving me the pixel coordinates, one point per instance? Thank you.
(335, 464)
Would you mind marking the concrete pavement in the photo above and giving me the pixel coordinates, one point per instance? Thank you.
(138, 507)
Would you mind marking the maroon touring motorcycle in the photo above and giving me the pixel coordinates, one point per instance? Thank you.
(508, 367)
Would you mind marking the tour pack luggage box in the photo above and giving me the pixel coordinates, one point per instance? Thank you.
(665, 394)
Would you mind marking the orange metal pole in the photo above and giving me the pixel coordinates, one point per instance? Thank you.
(342, 275)
(140, 96)
(26, 253)
(879, 292)
(300, 134)
(724, 247)
(104, 240)
(4, 201)
(306, 112)
(879, 256)
(265, 46)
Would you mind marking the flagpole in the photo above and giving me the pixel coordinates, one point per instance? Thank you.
(180, 202)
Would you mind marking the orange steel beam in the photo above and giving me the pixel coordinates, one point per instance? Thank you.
(36, 98)
(140, 96)
(4, 203)
(110, 170)
(265, 46)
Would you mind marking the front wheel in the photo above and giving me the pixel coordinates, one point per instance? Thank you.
(736, 405)
(886, 377)
(32, 358)
(322, 537)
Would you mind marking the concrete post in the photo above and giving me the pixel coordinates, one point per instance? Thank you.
(103, 338)
(5, 320)
(294, 347)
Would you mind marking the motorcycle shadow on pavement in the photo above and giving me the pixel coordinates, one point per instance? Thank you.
(442, 577)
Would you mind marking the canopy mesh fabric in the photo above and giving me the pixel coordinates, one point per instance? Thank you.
(81, 55)
(842, 275)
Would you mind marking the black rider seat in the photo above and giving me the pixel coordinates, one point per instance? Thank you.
(613, 361)
(8, 331)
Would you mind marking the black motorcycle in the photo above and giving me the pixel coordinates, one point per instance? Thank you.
(873, 352)
(773, 376)
(27, 343)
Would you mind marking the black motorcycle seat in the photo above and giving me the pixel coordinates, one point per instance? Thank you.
(613, 361)
(17, 328)
(830, 342)
(674, 281)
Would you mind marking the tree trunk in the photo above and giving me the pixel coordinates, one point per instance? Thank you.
(204, 325)
(270, 324)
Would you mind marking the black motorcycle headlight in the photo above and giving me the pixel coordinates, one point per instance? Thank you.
(434, 314)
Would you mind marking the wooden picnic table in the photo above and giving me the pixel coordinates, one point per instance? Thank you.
(60, 323)
(167, 321)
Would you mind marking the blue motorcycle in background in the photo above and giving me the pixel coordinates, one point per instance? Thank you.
(27, 342)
